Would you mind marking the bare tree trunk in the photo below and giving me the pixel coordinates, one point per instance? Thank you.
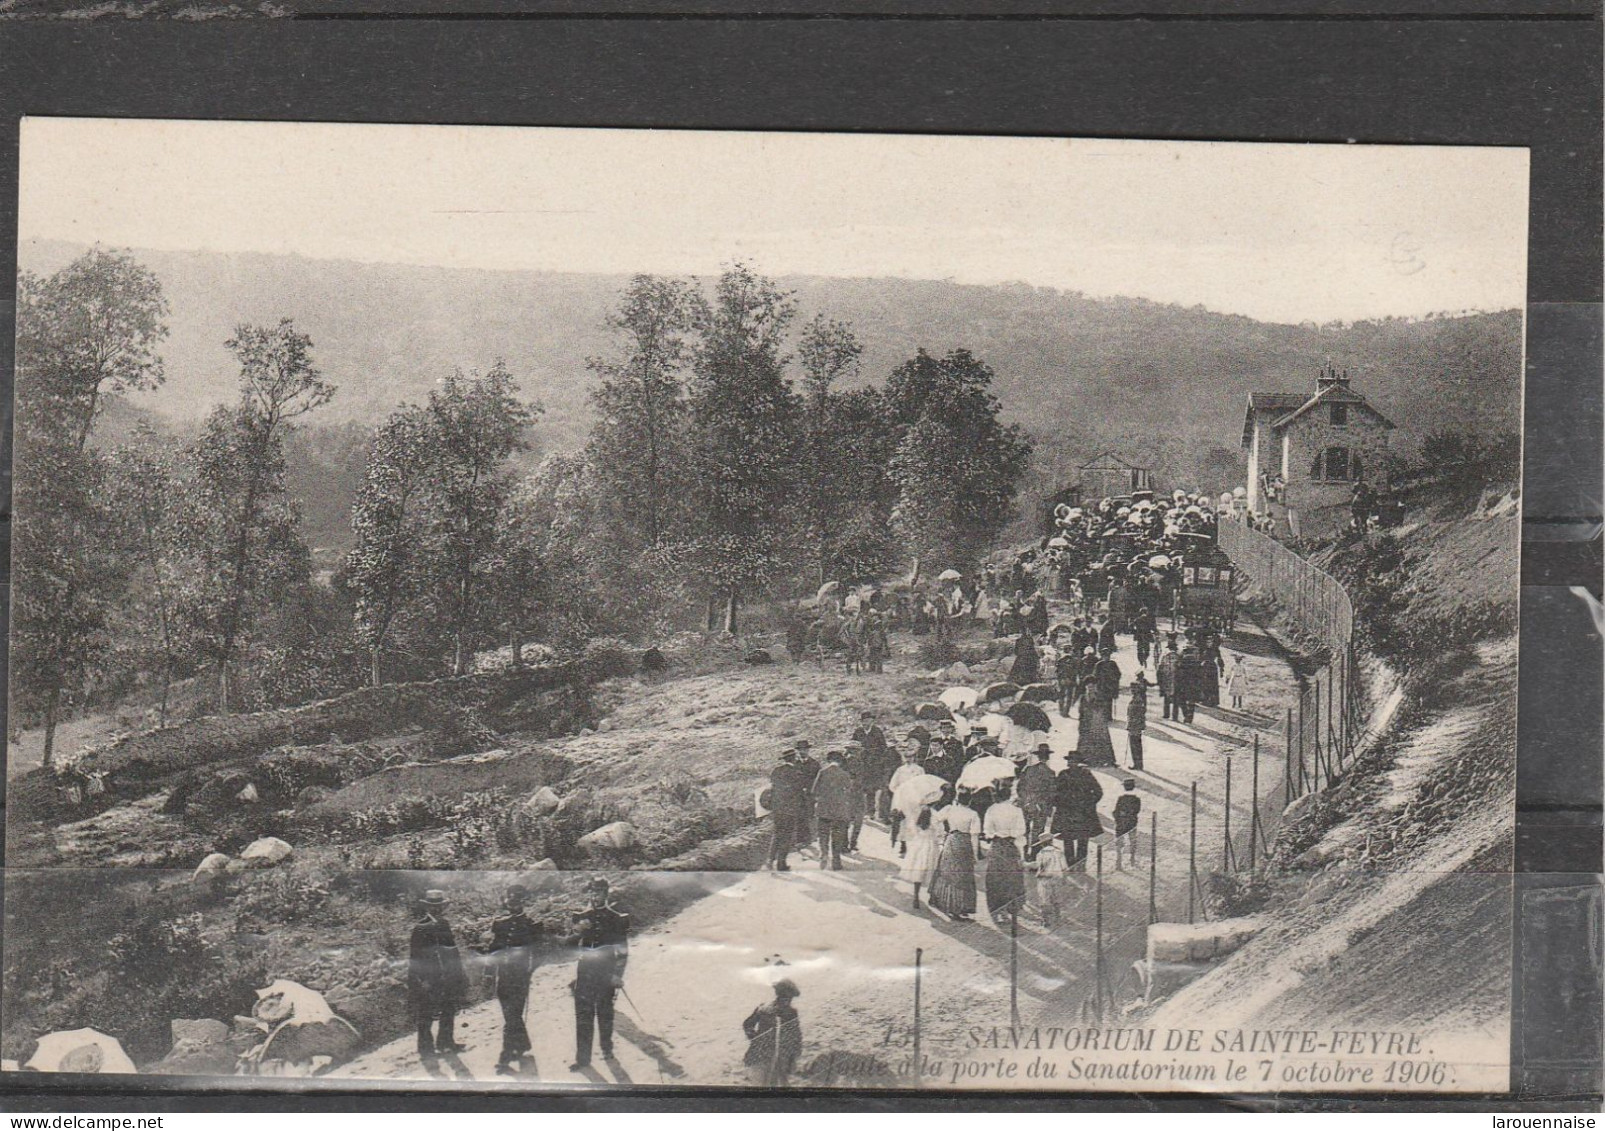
(49, 758)
(167, 686)
(731, 607)
(373, 660)
(713, 613)
(222, 687)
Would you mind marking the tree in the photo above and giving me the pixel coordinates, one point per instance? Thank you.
(956, 466)
(382, 570)
(145, 490)
(828, 351)
(745, 449)
(474, 424)
(636, 446)
(89, 329)
(239, 528)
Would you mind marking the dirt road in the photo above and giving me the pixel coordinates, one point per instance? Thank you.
(849, 938)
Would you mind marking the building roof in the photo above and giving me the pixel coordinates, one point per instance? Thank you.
(1338, 394)
(1288, 407)
(1268, 402)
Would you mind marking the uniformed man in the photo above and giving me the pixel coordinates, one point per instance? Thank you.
(436, 982)
(604, 948)
(513, 950)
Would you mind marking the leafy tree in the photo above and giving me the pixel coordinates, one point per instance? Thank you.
(828, 351)
(474, 424)
(382, 570)
(745, 449)
(956, 466)
(86, 331)
(636, 448)
(239, 526)
(145, 491)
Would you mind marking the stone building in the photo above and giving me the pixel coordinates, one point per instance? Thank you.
(1307, 451)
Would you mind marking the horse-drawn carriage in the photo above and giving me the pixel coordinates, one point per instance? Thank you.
(1206, 595)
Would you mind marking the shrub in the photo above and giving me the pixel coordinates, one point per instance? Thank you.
(938, 653)
(609, 659)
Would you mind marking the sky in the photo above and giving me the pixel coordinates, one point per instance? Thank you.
(1282, 232)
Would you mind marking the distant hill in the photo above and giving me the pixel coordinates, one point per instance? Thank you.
(1164, 384)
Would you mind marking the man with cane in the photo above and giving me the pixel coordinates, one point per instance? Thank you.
(513, 941)
(604, 948)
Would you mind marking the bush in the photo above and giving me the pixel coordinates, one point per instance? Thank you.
(938, 653)
(609, 659)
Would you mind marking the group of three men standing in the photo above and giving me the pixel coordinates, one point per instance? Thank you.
(826, 804)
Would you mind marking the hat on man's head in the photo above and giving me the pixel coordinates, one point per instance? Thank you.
(801, 745)
(434, 897)
(597, 885)
(786, 988)
(1129, 783)
(517, 893)
(1043, 750)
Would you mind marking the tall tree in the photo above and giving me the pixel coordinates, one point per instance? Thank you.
(240, 525)
(145, 490)
(746, 442)
(957, 466)
(86, 331)
(828, 351)
(382, 570)
(636, 447)
(474, 424)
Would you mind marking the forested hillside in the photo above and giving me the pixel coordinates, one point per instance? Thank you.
(1162, 384)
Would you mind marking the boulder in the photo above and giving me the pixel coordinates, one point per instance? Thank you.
(759, 656)
(1199, 942)
(546, 865)
(236, 866)
(604, 726)
(958, 670)
(265, 852)
(313, 794)
(618, 835)
(214, 865)
(543, 802)
(200, 1048)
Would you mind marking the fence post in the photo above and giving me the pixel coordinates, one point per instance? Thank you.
(1153, 867)
(1098, 972)
(1226, 861)
(1316, 684)
(1331, 694)
(919, 1066)
(1192, 855)
(1014, 961)
(1287, 762)
(1253, 822)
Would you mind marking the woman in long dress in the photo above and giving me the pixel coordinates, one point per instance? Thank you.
(1093, 736)
(1004, 832)
(920, 862)
(953, 888)
(1026, 665)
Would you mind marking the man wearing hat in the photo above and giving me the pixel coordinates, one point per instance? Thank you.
(807, 771)
(774, 1037)
(1137, 717)
(1034, 788)
(788, 798)
(1168, 663)
(835, 802)
(436, 982)
(603, 942)
(514, 939)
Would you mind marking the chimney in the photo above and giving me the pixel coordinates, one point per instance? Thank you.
(1330, 377)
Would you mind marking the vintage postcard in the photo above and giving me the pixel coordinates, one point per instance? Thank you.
(590, 608)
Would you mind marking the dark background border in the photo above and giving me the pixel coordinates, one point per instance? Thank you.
(1431, 71)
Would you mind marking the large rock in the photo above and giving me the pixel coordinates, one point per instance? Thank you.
(618, 835)
(215, 864)
(200, 1048)
(546, 865)
(543, 802)
(1199, 942)
(265, 852)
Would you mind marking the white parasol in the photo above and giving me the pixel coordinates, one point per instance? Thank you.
(959, 698)
(984, 771)
(916, 793)
(949, 575)
(80, 1050)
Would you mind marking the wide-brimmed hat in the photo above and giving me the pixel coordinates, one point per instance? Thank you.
(786, 988)
(434, 897)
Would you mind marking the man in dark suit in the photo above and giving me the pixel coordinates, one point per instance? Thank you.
(514, 941)
(603, 942)
(436, 982)
(788, 798)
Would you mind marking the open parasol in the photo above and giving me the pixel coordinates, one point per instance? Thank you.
(1030, 716)
(957, 698)
(828, 588)
(949, 575)
(1058, 543)
(909, 797)
(982, 772)
(932, 712)
(80, 1050)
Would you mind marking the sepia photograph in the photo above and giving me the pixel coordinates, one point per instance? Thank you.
(535, 608)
